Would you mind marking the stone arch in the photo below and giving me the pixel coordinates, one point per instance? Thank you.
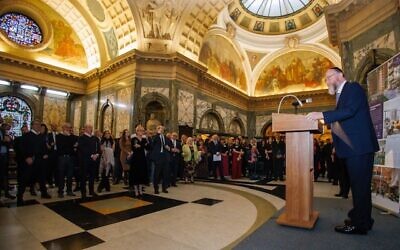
(267, 129)
(240, 124)
(211, 113)
(371, 60)
(107, 116)
(163, 113)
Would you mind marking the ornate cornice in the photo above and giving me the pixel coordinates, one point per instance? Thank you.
(219, 90)
(320, 98)
(38, 66)
(196, 75)
(350, 18)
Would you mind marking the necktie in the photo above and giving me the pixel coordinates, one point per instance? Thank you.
(162, 143)
(54, 140)
(337, 98)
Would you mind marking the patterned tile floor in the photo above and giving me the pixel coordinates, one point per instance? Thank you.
(177, 220)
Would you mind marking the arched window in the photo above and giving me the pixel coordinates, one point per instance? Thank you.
(21, 29)
(15, 112)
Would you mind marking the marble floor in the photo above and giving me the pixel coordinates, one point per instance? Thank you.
(204, 215)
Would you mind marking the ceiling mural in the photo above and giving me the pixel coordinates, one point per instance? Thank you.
(223, 61)
(293, 72)
(64, 48)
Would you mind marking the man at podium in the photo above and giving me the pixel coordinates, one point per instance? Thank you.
(355, 141)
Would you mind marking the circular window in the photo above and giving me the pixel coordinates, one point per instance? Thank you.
(274, 8)
(21, 29)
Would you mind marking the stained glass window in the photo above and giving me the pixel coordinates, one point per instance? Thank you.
(21, 29)
(15, 112)
(274, 8)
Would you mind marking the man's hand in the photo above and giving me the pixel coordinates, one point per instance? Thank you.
(315, 116)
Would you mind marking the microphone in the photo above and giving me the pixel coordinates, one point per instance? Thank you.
(301, 102)
(297, 99)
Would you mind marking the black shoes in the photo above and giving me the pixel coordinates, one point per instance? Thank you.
(350, 229)
(342, 195)
(347, 222)
(60, 195)
(156, 192)
(165, 191)
(70, 194)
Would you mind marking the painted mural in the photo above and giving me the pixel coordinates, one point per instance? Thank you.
(66, 45)
(64, 49)
(55, 111)
(293, 72)
(223, 61)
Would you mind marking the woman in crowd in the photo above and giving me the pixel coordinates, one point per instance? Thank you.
(237, 154)
(106, 161)
(190, 156)
(268, 159)
(125, 146)
(138, 174)
(225, 157)
(202, 166)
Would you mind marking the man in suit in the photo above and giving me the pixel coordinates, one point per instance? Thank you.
(176, 156)
(215, 148)
(89, 152)
(160, 154)
(65, 143)
(355, 141)
(34, 152)
(52, 176)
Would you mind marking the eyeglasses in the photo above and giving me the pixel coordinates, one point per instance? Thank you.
(327, 77)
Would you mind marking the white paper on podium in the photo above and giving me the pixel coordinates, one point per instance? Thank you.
(217, 157)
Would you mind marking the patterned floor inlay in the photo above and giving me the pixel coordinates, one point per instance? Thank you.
(115, 205)
(207, 201)
(73, 242)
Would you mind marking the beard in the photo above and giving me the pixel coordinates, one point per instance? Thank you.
(332, 89)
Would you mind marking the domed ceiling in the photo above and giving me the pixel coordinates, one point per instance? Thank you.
(274, 17)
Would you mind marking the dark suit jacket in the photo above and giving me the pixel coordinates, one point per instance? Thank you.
(214, 148)
(352, 130)
(51, 141)
(179, 147)
(33, 145)
(88, 146)
(156, 154)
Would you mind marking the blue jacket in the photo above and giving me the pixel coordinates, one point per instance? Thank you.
(352, 130)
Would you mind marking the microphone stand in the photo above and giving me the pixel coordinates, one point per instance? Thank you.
(295, 97)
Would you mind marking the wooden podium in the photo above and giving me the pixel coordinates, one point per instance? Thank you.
(299, 169)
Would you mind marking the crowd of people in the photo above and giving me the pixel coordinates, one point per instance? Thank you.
(57, 159)
(328, 165)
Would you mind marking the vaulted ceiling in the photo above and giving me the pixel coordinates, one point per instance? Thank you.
(109, 28)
